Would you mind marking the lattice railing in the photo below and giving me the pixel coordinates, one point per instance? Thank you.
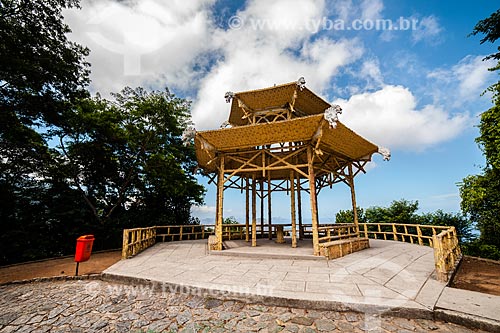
(442, 239)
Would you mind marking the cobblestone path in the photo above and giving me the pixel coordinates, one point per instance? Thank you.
(98, 306)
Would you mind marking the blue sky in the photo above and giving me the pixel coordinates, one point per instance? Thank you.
(414, 90)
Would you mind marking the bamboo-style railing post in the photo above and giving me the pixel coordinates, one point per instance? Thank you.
(254, 212)
(247, 211)
(419, 233)
(220, 202)
(292, 208)
(394, 232)
(314, 206)
(125, 244)
(180, 233)
(299, 208)
(269, 212)
(353, 197)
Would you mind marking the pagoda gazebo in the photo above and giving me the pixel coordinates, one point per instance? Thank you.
(282, 138)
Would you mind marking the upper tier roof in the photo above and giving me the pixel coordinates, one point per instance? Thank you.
(305, 102)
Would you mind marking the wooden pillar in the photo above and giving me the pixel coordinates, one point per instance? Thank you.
(269, 221)
(254, 212)
(247, 211)
(220, 201)
(261, 183)
(292, 208)
(299, 206)
(312, 191)
(353, 198)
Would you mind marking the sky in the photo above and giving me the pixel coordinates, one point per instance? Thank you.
(405, 73)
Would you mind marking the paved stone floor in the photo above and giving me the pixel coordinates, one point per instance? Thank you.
(388, 275)
(98, 306)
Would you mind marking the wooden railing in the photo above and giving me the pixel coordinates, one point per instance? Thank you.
(336, 232)
(443, 239)
(446, 253)
(137, 240)
(410, 233)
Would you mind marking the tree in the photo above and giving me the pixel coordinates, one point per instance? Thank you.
(462, 224)
(400, 211)
(127, 156)
(490, 28)
(347, 216)
(40, 70)
(41, 74)
(481, 193)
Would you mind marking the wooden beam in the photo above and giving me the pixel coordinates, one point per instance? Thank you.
(220, 201)
(312, 195)
(254, 212)
(292, 208)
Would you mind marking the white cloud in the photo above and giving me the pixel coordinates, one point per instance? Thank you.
(341, 9)
(154, 44)
(140, 43)
(371, 9)
(370, 70)
(256, 58)
(389, 117)
(428, 30)
(463, 82)
(203, 210)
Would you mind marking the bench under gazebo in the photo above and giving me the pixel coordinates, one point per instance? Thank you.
(285, 138)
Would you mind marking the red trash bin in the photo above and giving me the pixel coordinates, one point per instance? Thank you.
(84, 248)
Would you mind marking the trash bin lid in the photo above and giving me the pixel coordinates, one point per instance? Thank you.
(86, 237)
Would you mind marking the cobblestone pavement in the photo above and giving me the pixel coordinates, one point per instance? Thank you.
(98, 306)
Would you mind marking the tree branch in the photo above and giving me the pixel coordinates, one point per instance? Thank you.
(79, 187)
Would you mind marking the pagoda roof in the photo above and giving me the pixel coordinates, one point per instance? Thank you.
(340, 141)
(303, 100)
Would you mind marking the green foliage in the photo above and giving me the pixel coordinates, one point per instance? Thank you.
(405, 212)
(40, 70)
(481, 201)
(481, 193)
(347, 216)
(229, 220)
(127, 156)
(478, 248)
(119, 162)
(489, 138)
(400, 211)
(462, 224)
(490, 28)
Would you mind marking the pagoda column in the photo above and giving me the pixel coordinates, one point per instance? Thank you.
(220, 202)
(314, 206)
(247, 211)
(292, 208)
(299, 208)
(353, 198)
(269, 222)
(254, 212)
(261, 183)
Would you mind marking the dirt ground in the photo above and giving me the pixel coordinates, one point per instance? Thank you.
(59, 267)
(478, 274)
